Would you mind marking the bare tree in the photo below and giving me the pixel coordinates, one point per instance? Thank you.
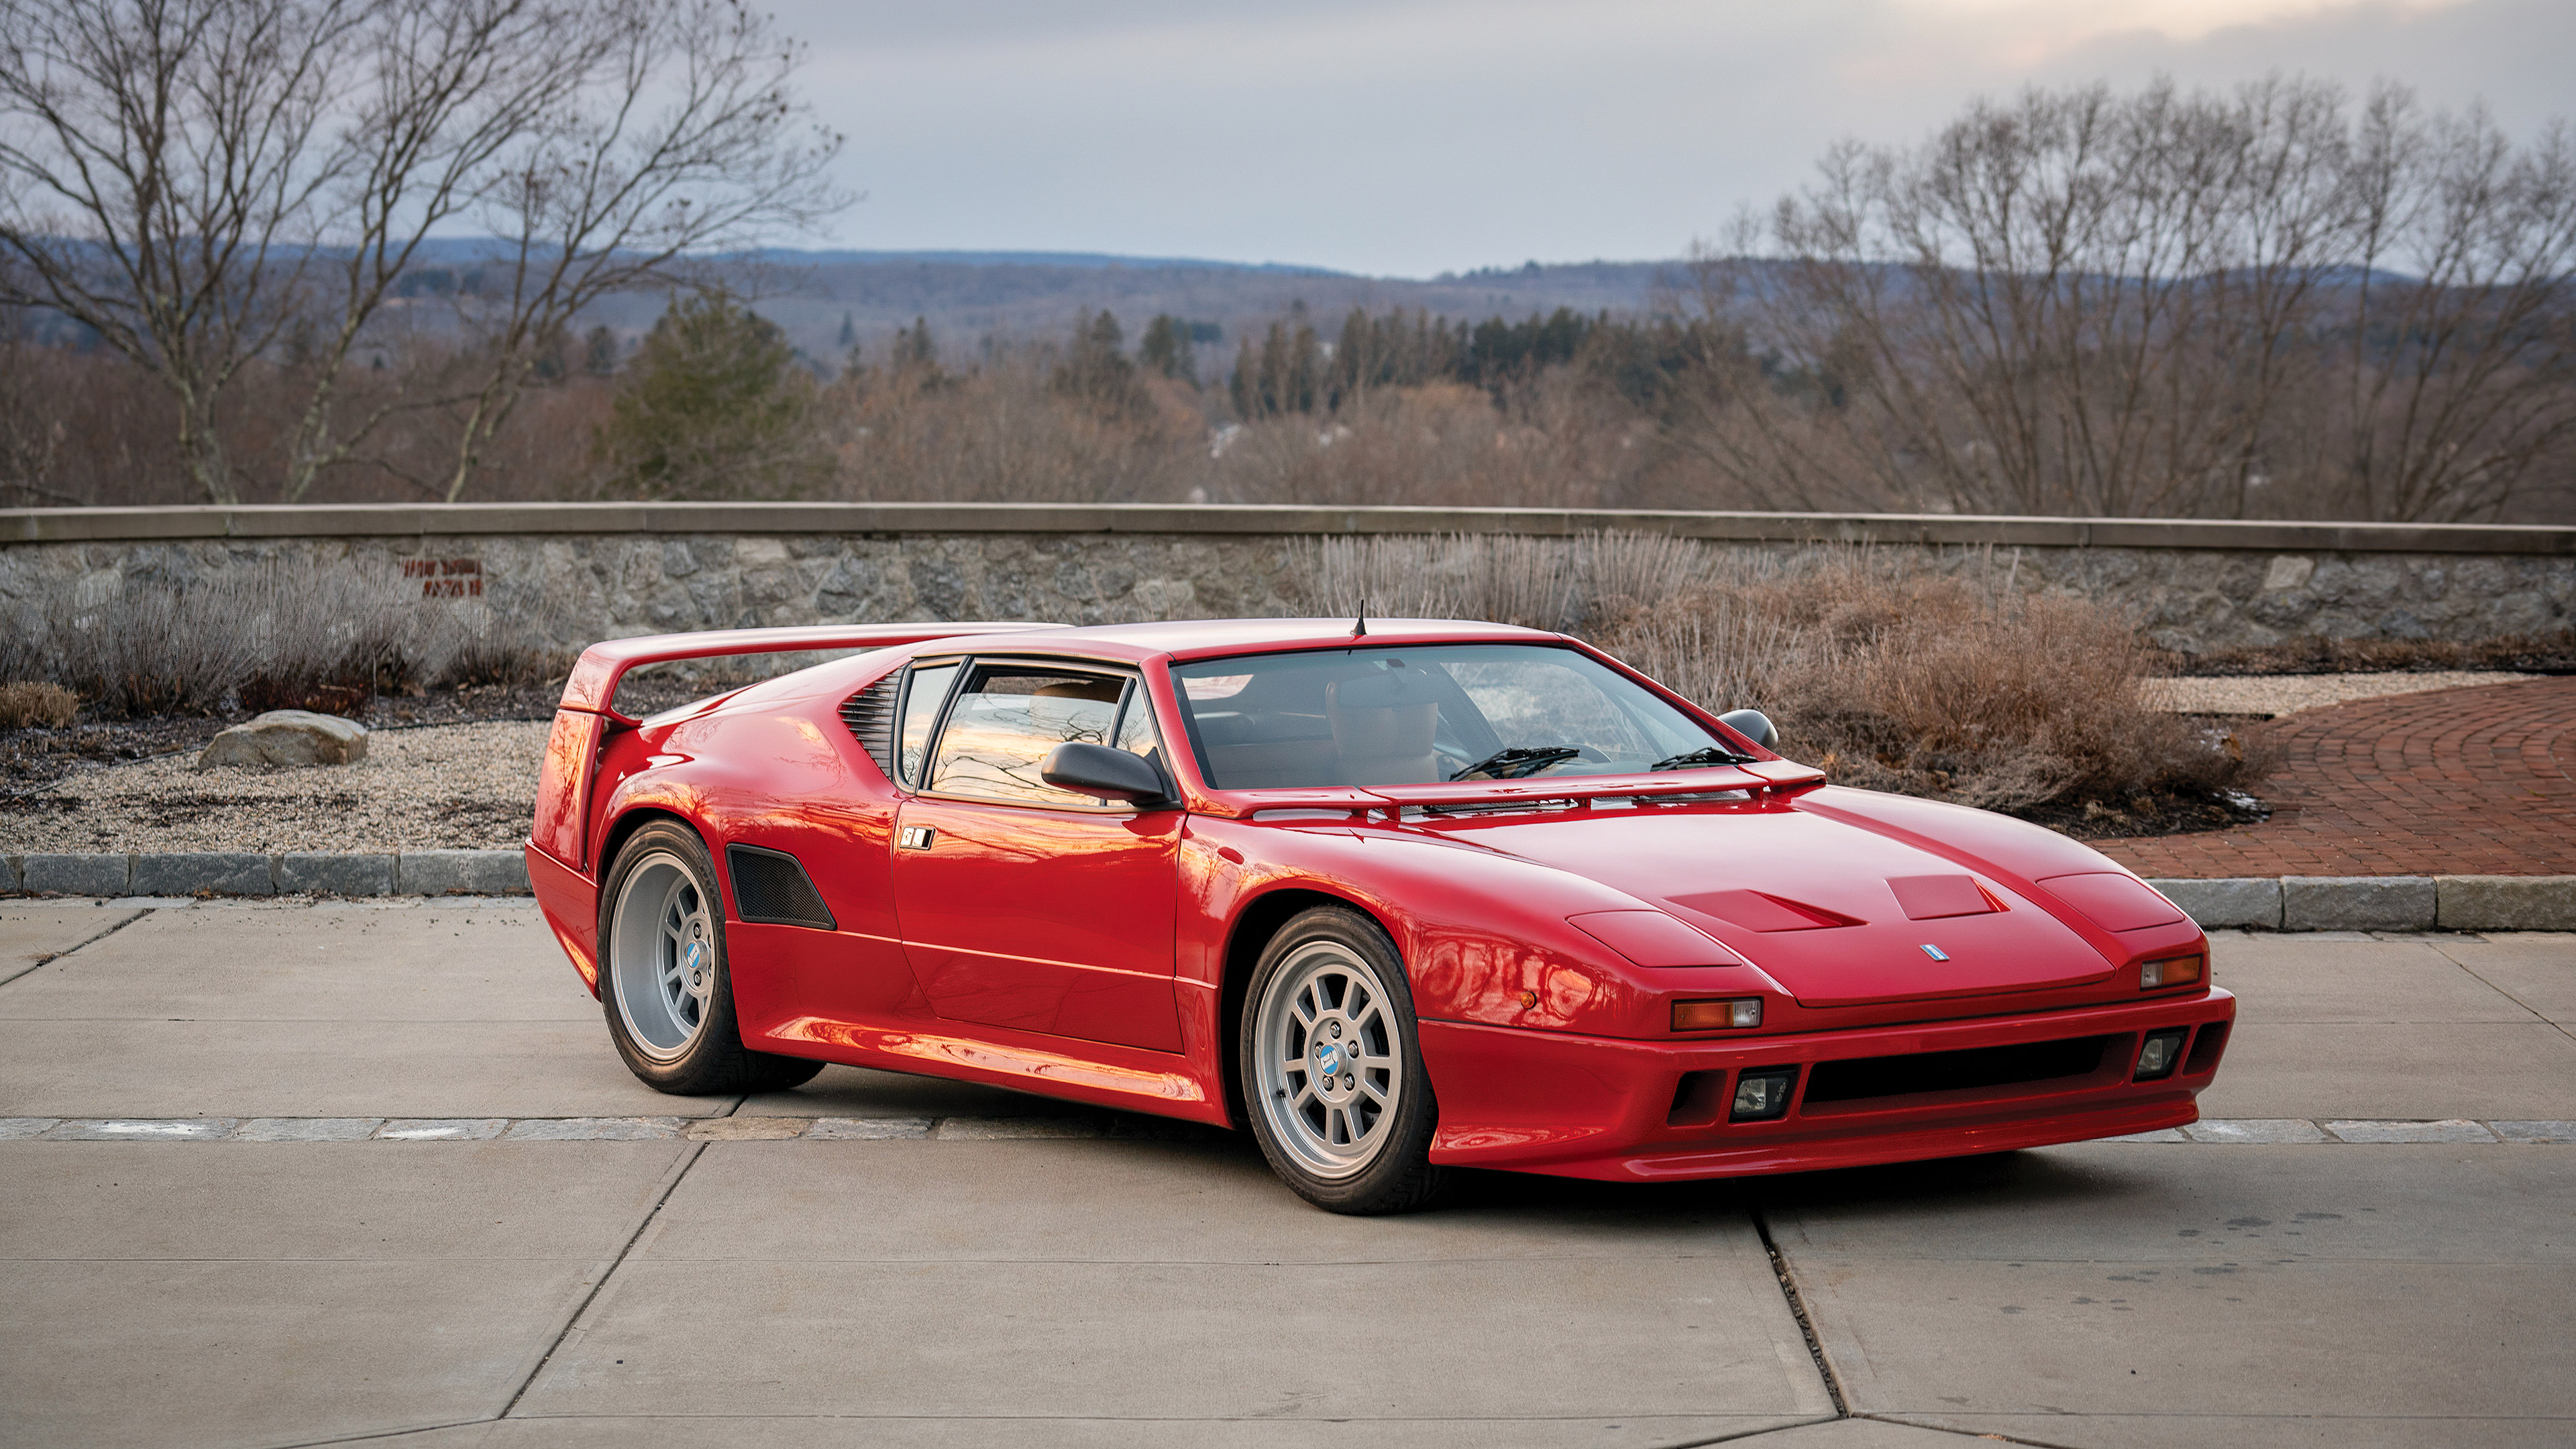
(2156, 303)
(215, 185)
(2459, 364)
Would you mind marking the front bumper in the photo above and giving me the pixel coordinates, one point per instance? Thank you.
(1581, 1106)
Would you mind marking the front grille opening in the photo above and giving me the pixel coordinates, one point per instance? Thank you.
(2205, 1049)
(2004, 1066)
(1697, 1099)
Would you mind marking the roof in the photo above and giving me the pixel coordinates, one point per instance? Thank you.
(1185, 639)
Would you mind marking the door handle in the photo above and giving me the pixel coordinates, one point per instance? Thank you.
(916, 837)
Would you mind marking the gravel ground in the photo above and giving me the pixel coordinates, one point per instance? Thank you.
(467, 786)
(2271, 695)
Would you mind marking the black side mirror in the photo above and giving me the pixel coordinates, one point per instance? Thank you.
(1754, 725)
(1100, 771)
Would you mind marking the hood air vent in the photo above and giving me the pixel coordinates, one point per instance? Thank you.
(870, 716)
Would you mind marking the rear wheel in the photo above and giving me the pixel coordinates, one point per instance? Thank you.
(1332, 1062)
(665, 981)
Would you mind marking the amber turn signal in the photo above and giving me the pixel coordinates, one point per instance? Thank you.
(2178, 971)
(1717, 1015)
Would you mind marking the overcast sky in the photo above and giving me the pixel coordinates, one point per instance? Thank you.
(1411, 137)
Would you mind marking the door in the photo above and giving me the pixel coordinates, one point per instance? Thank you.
(1025, 906)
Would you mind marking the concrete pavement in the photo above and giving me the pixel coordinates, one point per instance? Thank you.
(977, 1282)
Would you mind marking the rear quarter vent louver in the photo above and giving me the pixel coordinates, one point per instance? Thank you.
(870, 716)
(770, 888)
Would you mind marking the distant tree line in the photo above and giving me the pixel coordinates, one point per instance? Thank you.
(2271, 302)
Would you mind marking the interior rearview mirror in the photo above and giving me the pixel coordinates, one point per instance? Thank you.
(1754, 725)
(1102, 772)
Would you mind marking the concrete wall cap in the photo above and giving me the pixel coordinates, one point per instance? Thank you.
(447, 520)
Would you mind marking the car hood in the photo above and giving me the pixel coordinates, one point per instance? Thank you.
(1843, 901)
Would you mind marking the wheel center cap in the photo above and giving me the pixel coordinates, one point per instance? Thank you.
(1328, 1059)
(696, 967)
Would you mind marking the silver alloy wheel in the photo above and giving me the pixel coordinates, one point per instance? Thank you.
(662, 956)
(1330, 1058)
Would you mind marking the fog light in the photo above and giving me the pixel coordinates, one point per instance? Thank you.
(1762, 1094)
(2162, 1051)
(1716, 1015)
(2175, 972)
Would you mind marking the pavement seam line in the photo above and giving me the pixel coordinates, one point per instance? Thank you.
(2474, 975)
(1740, 1435)
(372, 1435)
(41, 962)
(572, 1320)
(1798, 1309)
(1969, 1433)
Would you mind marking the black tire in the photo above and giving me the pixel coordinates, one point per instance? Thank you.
(699, 1050)
(1331, 1152)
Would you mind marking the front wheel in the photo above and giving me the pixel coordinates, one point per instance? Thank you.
(665, 980)
(1332, 1062)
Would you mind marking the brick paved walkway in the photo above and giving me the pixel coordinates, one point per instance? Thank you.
(2451, 782)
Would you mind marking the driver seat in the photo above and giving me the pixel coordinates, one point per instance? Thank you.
(1383, 726)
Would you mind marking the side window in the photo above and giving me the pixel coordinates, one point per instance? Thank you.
(1005, 721)
(921, 701)
(1136, 728)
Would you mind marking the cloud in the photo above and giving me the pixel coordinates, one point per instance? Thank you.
(1413, 136)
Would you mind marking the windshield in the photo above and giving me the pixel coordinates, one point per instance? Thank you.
(1407, 716)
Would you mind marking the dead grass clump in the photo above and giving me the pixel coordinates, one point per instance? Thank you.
(33, 704)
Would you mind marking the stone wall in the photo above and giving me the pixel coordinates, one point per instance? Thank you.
(584, 572)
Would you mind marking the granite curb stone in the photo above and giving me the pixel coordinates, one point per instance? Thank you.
(2450, 1130)
(172, 876)
(142, 1129)
(76, 875)
(2357, 902)
(461, 872)
(225, 873)
(2504, 902)
(2295, 903)
(2242, 901)
(324, 874)
(2210, 1131)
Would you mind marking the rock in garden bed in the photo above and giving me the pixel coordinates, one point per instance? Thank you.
(288, 739)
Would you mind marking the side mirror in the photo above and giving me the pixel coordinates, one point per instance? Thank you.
(1100, 771)
(1754, 725)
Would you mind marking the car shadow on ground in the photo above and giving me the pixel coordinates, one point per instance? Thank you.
(2026, 1180)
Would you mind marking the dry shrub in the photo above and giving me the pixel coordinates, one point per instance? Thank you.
(482, 648)
(33, 704)
(1537, 583)
(294, 634)
(1932, 685)
(1890, 676)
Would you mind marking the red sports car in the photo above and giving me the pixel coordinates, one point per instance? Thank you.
(1397, 895)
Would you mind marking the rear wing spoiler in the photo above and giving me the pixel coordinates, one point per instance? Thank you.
(588, 712)
(592, 689)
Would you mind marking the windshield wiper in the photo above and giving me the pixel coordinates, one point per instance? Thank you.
(1512, 764)
(1710, 755)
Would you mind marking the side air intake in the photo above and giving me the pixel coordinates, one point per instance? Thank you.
(771, 889)
(870, 716)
